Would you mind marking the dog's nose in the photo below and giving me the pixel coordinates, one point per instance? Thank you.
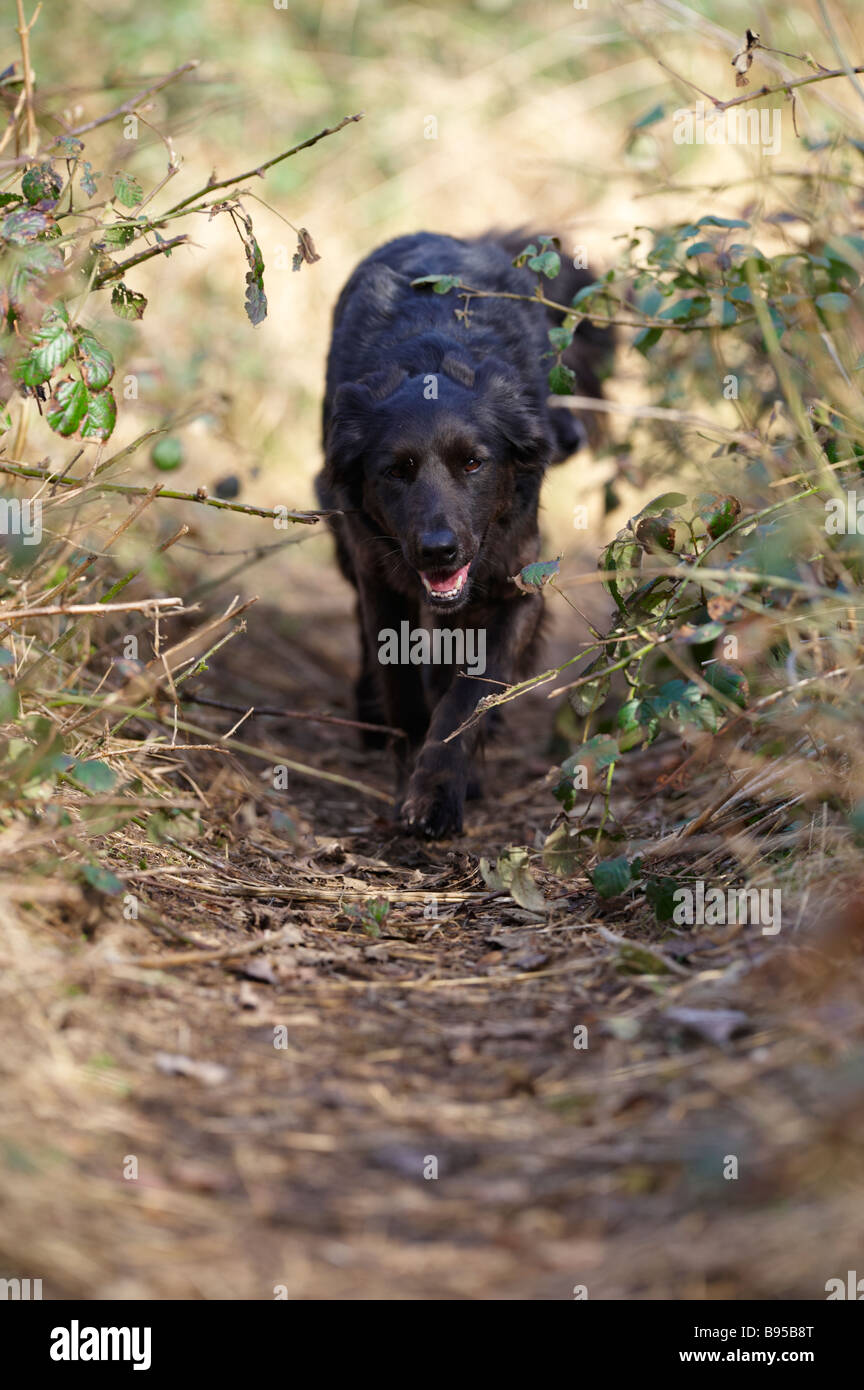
(438, 549)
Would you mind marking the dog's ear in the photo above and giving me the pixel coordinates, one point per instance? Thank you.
(348, 427)
(505, 406)
(351, 424)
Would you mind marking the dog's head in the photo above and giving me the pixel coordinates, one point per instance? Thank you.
(434, 459)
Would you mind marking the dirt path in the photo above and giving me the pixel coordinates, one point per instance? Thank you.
(403, 1110)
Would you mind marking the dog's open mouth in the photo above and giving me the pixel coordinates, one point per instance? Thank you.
(445, 588)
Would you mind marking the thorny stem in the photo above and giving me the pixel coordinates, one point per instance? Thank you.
(56, 479)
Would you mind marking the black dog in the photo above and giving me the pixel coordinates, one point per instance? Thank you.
(436, 437)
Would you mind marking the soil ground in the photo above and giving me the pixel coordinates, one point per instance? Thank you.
(409, 1115)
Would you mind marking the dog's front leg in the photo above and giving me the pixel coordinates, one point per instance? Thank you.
(399, 685)
(435, 799)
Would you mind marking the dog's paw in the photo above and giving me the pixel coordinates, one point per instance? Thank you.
(433, 812)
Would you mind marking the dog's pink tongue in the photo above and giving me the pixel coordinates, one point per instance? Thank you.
(448, 582)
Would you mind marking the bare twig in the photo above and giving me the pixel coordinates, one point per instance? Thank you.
(53, 610)
(260, 169)
(128, 490)
(164, 248)
(785, 87)
(127, 107)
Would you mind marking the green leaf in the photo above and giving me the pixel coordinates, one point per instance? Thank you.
(535, 575)
(834, 303)
(127, 190)
(662, 503)
(622, 554)
(685, 309)
(561, 338)
(725, 313)
(41, 182)
(88, 179)
(117, 234)
(256, 299)
(598, 754)
(68, 406)
(646, 339)
(25, 225)
(547, 263)
(101, 416)
(611, 877)
(697, 636)
(717, 512)
(97, 364)
(641, 960)
(561, 380)
(728, 681)
(660, 893)
(586, 292)
(9, 703)
(441, 284)
(126, 303)
(96, 776)
(53, 345)
(651, 117)
(586, 699)
(721, 222)
(102, 879)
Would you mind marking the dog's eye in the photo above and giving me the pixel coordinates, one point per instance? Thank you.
(472, 465)
(402, 469)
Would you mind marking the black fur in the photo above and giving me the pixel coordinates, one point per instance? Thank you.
(437, 433)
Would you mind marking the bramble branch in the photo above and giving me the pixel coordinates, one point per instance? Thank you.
(128, 490)
(260, 169)
(127, 107)
(784, 87)
(120, 269)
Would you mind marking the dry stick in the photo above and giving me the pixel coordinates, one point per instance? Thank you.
(456, 983)
(12, 124)
(128, 106)
(467, 293)
(274, 712)
(260, 169)
(204, 957)
(784, 87)
(697, 23)
(24, 35)
(55, 610)
(127, 490)
(164, 248)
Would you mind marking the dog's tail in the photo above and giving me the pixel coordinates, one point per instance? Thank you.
(589, 356)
